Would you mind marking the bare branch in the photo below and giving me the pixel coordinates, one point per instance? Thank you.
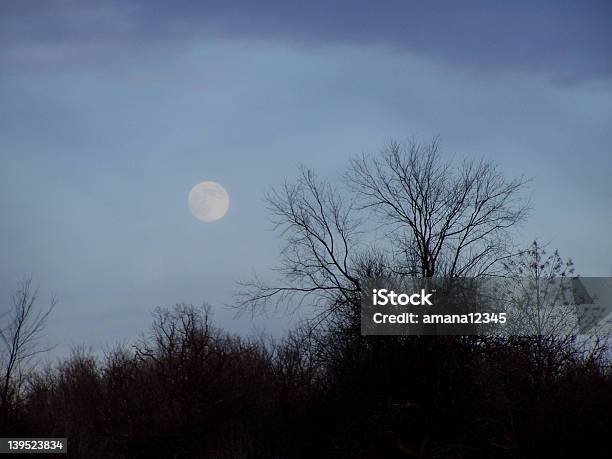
(454, 218)
(20, 335)
(320, 233)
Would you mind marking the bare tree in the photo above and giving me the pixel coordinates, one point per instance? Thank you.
(541, 300)
(441, 218)
(176, 333)
(20, 335)
(540, 293)
(320, 233)
(446, 218)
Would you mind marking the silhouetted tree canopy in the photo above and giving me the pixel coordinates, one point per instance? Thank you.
(405, 211)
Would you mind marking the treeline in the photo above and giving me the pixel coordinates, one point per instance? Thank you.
(188, 389)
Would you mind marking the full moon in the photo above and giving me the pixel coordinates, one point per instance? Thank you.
(208, 201)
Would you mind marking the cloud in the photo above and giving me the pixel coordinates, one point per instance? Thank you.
(565, 41)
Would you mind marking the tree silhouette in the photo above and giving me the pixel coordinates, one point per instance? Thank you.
(433, 217)
(20, 333)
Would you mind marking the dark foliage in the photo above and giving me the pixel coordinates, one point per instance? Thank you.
(190, 390)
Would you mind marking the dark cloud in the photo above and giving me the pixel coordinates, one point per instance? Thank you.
(564, 40)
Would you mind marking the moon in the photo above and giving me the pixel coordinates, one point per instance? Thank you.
(208, 201)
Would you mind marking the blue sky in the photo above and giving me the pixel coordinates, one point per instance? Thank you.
(110, 113)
